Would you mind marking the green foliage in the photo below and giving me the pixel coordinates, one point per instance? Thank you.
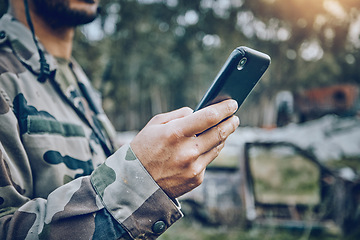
(164, 54)
(158, 55)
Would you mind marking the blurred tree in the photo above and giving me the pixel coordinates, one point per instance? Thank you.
(152, 56)
(164, 53)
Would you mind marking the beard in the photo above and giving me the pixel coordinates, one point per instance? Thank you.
(58, 13)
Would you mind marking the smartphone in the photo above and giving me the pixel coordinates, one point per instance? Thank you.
(239, 75)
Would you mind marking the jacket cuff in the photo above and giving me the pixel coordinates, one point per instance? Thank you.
(132, 196)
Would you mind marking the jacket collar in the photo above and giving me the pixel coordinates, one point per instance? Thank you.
(21, 41)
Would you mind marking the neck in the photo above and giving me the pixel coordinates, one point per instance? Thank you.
(58, 42)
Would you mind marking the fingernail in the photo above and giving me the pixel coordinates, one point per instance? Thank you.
(237, 120)
(234, 105)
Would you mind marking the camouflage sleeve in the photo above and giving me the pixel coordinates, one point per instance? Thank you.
(145, 211)
(119, 200)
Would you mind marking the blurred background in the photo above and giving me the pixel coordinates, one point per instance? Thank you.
(153, 56)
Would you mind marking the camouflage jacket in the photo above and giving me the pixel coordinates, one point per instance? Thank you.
(56, 181)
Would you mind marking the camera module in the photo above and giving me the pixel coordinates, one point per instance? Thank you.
(241, 63)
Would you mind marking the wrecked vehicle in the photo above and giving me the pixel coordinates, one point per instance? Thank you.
(302, 176)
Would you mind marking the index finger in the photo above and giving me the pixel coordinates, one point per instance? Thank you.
(205, 118)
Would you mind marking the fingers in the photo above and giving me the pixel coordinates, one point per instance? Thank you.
(217, 135)
(209, 156)
(206, 118)
(207, 146)
(197, 169)
(167, 117)
(177, 162)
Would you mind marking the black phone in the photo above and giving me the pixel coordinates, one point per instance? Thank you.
(236, 79)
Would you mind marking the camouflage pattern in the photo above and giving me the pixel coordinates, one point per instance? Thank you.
(56, 181)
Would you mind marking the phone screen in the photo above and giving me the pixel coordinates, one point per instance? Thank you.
(236, 79)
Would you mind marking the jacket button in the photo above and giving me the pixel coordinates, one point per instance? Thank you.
(159, 227)
(2, 34)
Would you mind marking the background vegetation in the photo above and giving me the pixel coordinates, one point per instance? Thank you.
(158, 55)
(152, 56)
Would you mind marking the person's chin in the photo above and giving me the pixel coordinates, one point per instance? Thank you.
(82, 5)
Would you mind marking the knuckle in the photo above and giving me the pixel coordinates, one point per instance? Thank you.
(196, 175)
(199, 179)
(219, 148)
(212, 116)
(187, 110)
(222, 135)
(194, 154)
(189, 156)
(173, 134)
(216, 150)
(197, 168)
(157, 117)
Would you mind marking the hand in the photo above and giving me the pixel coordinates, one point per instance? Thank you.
(176, 147)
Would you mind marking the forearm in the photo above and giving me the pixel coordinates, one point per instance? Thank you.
(127, 202)
(132, 197)
(70, 212)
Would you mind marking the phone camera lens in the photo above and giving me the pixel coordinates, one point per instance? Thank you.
(242, 63)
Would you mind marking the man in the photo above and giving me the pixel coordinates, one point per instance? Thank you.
(59, 178)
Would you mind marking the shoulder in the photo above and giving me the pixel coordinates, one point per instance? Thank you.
(9, 63)
(12, 38)
(8, 60)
